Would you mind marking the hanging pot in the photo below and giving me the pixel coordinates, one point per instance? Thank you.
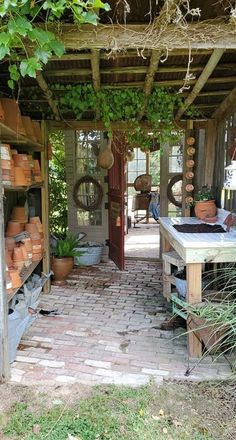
(190, 140)
(106, 158)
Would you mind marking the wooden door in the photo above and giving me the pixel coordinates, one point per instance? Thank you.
(116, 191)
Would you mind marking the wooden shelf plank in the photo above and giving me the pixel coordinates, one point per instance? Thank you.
(24, 276)
(23, 188)
(9, 136)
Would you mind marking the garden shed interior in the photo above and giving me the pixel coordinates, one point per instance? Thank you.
(148, 69)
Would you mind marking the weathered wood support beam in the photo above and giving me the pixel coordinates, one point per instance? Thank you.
(202, 80)
(227, 107)
(48, 94)
(95, 64)
(200, 35)
(149, 80)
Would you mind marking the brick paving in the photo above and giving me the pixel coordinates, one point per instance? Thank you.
(109, 331)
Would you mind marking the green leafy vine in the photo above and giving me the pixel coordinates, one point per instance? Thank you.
(126, 105)
(24, 36)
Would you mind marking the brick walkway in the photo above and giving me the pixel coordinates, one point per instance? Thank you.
(108, 332)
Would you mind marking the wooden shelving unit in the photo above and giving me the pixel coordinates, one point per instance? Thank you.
(9, 136)
(24, 276)
(22, 188)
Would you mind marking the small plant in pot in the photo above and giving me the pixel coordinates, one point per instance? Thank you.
(64, 251)
(204, 205)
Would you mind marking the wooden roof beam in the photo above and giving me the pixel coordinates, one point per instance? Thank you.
(227, 107)
(48, 94)
(149, 80)
(201, 81)
(117, 38)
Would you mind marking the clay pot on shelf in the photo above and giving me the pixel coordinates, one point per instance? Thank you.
(32, 229)
(8, 258)
(19, 214)
(14, 228)
(13, 117)
(61, 268)
(10, 244)
(19, 177)
(29, 128)
(205, 209)
(15, 278)
(18, 259)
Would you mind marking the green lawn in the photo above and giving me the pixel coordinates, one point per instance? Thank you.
(173, 412)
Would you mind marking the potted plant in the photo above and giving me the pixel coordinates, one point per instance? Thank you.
(214, 323)
(64, 251)
(204, 204)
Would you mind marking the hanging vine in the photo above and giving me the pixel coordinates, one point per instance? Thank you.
(29, 46)
(125, 105)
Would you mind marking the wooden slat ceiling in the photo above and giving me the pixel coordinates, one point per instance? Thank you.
(130, 68)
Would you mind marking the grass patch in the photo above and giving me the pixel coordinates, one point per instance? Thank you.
(174, 412)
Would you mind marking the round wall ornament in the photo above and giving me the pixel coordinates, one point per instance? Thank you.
(88, 193)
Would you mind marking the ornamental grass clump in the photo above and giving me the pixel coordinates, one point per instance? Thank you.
(67, 247)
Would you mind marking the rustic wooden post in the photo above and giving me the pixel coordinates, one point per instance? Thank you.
(4, 357)
(45, 204)
(210, 149)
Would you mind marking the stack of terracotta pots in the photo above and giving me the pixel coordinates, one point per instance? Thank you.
(18, 258)
(10, 244)
(36, 171)
(32, 229)
(21, 161)
(12, 115)
(5, 154)
(36, 221)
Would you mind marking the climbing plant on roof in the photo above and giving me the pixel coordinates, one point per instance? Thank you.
(29, 46)
(126, 105)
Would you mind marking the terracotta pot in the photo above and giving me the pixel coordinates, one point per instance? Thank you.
(2, 114)
(8, 258)
(28, 244)
(19, 214)
(29, 128)
(190, 163)
(15, 278)
(191, 151)
(61, 268)
(31, 228)
(14, 228)
(19, 176)
(10, 244)
(190, 140)
(34, 220)
(5, 164)
(18, 254)
(13, 117)
(189, 175)
(37, 131)
(205, 208)
(37, 257)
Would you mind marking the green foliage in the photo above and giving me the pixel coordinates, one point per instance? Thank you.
(204, 194)
(19, 30)
(67, 247)
(126, 105)
(57, 185)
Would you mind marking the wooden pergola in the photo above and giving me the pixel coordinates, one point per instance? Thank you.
(140, 49)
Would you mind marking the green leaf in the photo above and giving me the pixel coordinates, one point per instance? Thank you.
(4, 38)
(57, 47)
(4, 50)
(41, 36)
(20, 26)
(10, 83)
(42, 55)
(29, 67)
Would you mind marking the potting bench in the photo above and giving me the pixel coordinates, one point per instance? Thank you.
(195, 249)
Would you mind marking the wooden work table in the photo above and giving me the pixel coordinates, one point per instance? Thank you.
(196, 249)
